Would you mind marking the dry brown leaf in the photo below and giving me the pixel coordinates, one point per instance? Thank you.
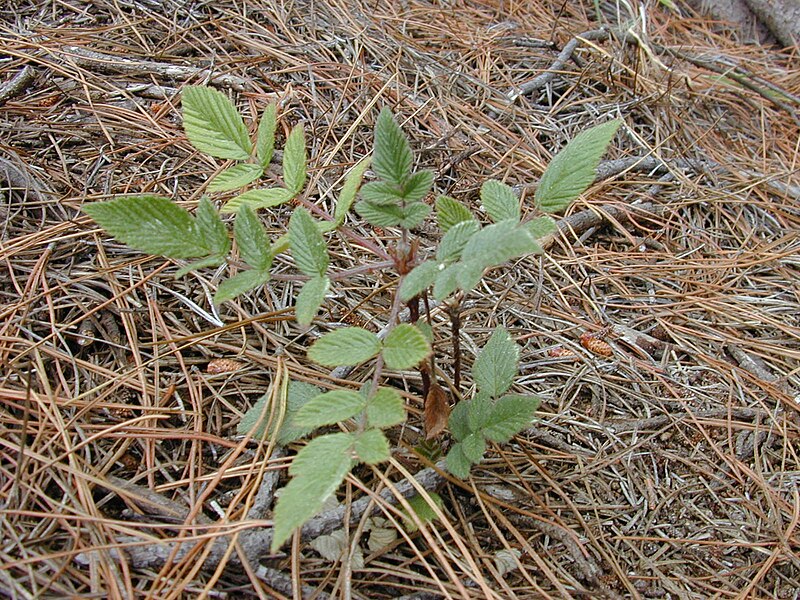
(437, 411)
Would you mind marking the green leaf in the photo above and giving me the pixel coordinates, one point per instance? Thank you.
(392, 157)
(495, 244)
(458, 421)
(414, 214)
(449, 212)
(252, 239)
(511, 415)
(457, 462)
(499, 201)
(345, 347)
(330, 408)
(404, 347)
(381, 193)
(265, 139)
(294, 160)
(418, 280)
(235, 177)
(473, 446)
(423, 510)
(469, 274)
(380, 215)
(317, 470)
(310, 298)
(541, 227)
(239, 284)
(307, 244)
(151, 224)
(349, 190)
(386, 408)
(456, 239)
(479, 411)
(372, 447)
(446, 281)
(209, 261)
(211, 231)
(298, 394)
(256, 199)
(573, 169)
(213, 125)
(497, 364)
(417, 186)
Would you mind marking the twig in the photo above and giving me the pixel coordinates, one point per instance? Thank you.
(17, 84)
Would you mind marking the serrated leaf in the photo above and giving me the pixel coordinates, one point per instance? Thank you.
(458, 422)
(541, 227)
(310, 298)
(239, 284)
(308, 246)
(345, 347)
(497, 364)
(211, 230)
(446, 281)
(235, 177)
(511, 414)
(256, 199)
(479, 411)
(151, 224)
(422, 509)
(294, 160)
(381, 193)
(213, 125)
(418, 280)
(378, 215)
(469, 274)
(456, 239)
(298, 394)
(330, 408)
(392, 157)
(417, 186)
(209, 261)
(372, 447)
(457, 462)
(414, 214)
(265, 138)
(386, 408)
(450, 211)
(573, 169)
(499, 201)
(252, 239)
(473, 446)
(404, 347)
(317, 470)
(495, 244)
(349, 190)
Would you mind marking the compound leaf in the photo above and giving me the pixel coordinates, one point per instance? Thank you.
(473, 446)
(405, 347)
(499, 201)
(456, 239)
(372, 447)
(239, 284)
(414, 214)
(541, 227)
(450, 211)
(256, 199)
(380, 215)
(317, 470)
(497, 243)
(294, 160)
(211, 230)
(458, 422)
(457, 462)
(417, 186)
(510, 415)
(330, 408)
(252, 239)
(151, 224)
(265, 138)
(345, 347)
(213, 125)
(235, 177)
(381, 193)
(386, 408)
(307, 244)
(310, 298)
(573, 169)
(349, 190)
(392, 157)
(496, 366)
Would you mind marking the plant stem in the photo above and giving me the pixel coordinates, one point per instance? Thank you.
(454, 311)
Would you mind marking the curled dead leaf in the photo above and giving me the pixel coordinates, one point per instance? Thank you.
(224, 365)
(437, 411)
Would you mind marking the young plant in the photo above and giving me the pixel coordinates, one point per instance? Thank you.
(156, 225)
